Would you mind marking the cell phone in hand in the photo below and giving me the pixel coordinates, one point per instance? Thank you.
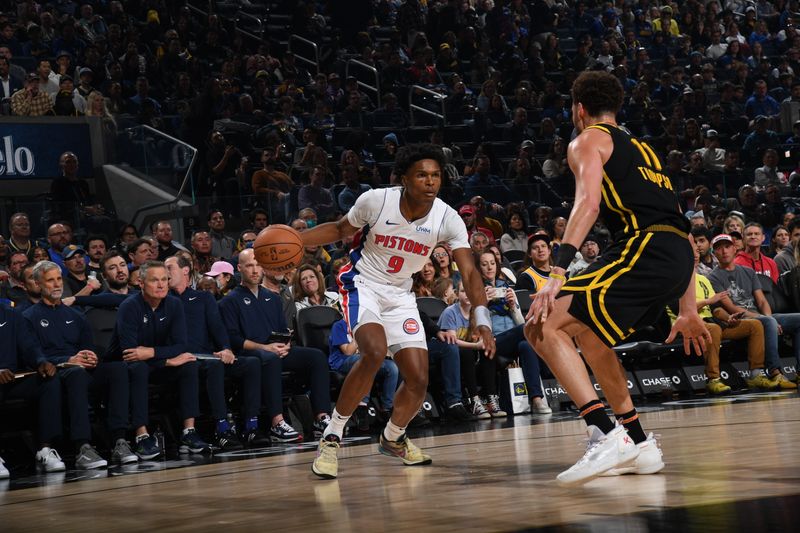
(283, 337)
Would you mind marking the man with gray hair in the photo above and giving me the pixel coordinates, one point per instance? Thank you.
(150, 336)
(66, 337)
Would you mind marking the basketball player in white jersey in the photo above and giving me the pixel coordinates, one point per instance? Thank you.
(398, 228)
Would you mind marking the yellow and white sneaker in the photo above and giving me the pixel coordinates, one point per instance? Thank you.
(326, 464)
(405, 450)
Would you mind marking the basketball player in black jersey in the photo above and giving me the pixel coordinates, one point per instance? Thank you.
(649, 264)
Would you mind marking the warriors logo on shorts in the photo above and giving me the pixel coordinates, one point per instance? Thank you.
(411, 326)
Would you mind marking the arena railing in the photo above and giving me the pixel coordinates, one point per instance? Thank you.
(160, 158)
(368, 68)
(294, 38)
(420, 90)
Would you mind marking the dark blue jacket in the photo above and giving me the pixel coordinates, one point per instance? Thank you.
(252, 317)
(105, 299)
(208, 333)
(62, 331)
(138, 325)
(18, 346)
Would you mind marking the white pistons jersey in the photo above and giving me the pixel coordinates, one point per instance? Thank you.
(390, 248)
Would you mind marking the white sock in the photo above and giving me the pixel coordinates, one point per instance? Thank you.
(336, 425)
(142, 437)
(187, 430)
(392, 432)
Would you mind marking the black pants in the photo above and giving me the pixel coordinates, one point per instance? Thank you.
(46, 392)
(186, 376)
(310, 363)
(109, 379)
(245, 369)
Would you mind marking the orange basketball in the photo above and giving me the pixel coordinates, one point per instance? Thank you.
(278, 248)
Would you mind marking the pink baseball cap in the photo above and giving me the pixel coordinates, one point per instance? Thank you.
(220, 267)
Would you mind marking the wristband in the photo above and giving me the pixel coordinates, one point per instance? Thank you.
(566, 253)
(558, 277)
(483, 317)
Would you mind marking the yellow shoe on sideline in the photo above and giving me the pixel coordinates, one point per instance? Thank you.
(405, 450)
(326, 465)
(762, 382)
(783, 383)
(717, 386)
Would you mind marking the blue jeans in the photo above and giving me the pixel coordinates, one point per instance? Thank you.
(450, 363)
(388, 373)
(790, 323)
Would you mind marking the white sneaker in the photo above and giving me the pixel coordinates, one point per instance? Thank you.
(649, 461)
(603, 452)
(3, 470)
(48, 460)
(478, 409)
(539, 407)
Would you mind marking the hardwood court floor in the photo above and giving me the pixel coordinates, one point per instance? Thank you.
(495, 480)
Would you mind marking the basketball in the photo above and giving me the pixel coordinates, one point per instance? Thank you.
(278, 248)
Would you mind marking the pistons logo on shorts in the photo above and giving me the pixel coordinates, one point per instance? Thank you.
(411, 326)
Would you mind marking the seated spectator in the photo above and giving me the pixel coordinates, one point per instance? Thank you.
(713, 155)
(251, 313)
(588, 254)
(72, 198)
(30, 102)
(259, 219)
(352, 188)
(201, 249)
(443, 264)
(760, 139)
(507, 323)
(210, 338)
(733, 224)
(96, 247)
(162, 231)
(785, 259)
(12, 288)
(137, 101)
(343, 357)
(422, 284)
(487, 215)
(515, 237)
(469, 216)
(762, 104)
(308, 289)
(487, 185)
(353, 115)
(221, 245)
(139, 252)
(68, 102)
(706, 260)
(222, 273)
(746, 300)
(538, 263)
(315, 195)
(9, 83)
(751, 257)
(21, 353)
(66, 337)
(58, 237)
(779, 241)
(555, 166)
(20, 234)
(478, 243)
(157, 354)
(272, 185)
(77, 282)
(769, 173)
(390, 115)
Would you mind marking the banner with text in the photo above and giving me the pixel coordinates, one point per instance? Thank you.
(32, 150)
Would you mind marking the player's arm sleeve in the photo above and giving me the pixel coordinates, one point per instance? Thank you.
(454, 232)
(366, 208)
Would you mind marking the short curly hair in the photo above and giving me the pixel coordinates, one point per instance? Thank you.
(599, 92)
(408, 155)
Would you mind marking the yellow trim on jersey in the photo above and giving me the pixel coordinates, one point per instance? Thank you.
(613, 190)
(598, 127)
(641, 149)
(606, 198)
(656, 162)
(597, 323)
(607, 284)
(605, 269)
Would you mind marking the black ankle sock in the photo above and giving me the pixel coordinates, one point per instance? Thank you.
(593, 413)
(118, 434)
(631, 422)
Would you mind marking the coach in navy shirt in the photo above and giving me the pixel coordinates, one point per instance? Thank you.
(251, 313)
(20, 352)
(150, 335)
(66, 337)
(210, 338)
